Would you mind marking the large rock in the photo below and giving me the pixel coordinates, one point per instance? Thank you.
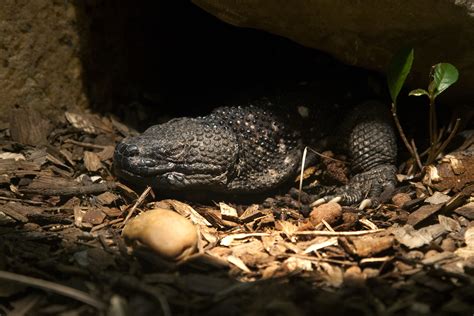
(39, 56)
(366, 33)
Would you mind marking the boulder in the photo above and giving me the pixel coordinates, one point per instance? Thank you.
(367, 33)
(40, 66)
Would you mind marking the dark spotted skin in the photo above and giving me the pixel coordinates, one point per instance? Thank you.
(254, 149)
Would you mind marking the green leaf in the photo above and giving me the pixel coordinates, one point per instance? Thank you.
(443, 76)
(398, 70)
(418, 92)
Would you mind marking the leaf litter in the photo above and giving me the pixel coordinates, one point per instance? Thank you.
(62, 213)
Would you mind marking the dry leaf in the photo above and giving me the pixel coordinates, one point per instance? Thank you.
(185, 210)
(229, 239)
(238, 263)
(320, 245)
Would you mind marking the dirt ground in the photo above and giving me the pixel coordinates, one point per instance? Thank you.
(62, 213)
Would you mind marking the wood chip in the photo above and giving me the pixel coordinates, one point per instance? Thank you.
(107, 198)
(467, 251)
(88, 123)
(107, 153)
(27, 126)
(423, 213)
(227, 210)
(408, 236)
(330, 212)
(438, 198)
(14, 166)
(94, 217)
(449, 224)
(13, 156)
(366, 246)
(10, 210)
(466, 211)
(92, 161)
(297, 264)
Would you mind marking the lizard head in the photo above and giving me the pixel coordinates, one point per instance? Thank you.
(184, 153)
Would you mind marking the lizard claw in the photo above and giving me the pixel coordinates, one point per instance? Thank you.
(364, 188)
(365, 204)
(326, 199)
(318, 202)
(336, 199)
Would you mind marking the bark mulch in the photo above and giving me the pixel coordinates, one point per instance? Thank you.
(61, 251)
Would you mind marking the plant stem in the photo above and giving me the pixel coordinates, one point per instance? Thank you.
(433, 129)
(450, 137)
(402, 134)
(417, 157)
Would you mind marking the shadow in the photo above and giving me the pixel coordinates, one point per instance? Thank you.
(170, 58)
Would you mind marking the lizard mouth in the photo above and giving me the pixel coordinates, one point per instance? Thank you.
(133, 167)
(127, 160)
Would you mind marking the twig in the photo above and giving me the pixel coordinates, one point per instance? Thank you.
(303, 162)
(72, 190)
(326, 156)
(300, 188)
(400, 130)
(137, 203)
(318, 259)
(85, 145)
(417, 157)
(450, 137)
(21, 200)
(53, 287)
(132, 284)
(100, 226)
(328, 233)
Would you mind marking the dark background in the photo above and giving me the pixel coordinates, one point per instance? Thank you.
(172, 58)
(148, 61)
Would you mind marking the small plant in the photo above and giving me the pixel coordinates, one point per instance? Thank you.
(442, 76)
(397, 73)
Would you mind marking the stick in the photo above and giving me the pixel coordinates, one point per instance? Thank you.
(85, 145)
(73, 190)
(137, 203)
(53, 287)
(328, 233)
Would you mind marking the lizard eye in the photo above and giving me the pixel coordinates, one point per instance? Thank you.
(173, 151)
